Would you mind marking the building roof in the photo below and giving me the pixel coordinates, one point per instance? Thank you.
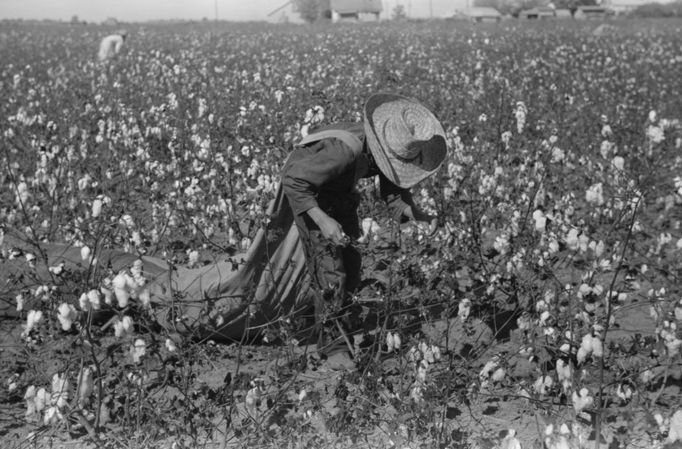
(481, 11)
(280, 8)
(356, 6)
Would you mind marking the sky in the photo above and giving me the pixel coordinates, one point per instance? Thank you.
(143, 10)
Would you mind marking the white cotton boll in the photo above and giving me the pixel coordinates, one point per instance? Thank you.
(94, 299)
(597, 348)
(624, 392)
(540, 220)
(510, 441)
(618, 162)
(52, 416)
(595, 194)
(124, 327)
(29, 397)
(582, 400)
(170, 345)
(435, 350)
(251, 401)
(428, 356)
(572, 239)
(84, 302)
(145, 297)
(42, 399)
(85, 254)
(193, 257)
(543, 384)
(370, 228)
(96, 207)
(390, 341)
(57, 269)
(501, 244)
(675, 430)
(85, 385)
(487, 369)
(66, 314)
(119, 281)
(464, 309)
(34, 317)
(108, 295)
(499, 374)
(138, 350)
(122, 296)
(60, 390)
(421, 371)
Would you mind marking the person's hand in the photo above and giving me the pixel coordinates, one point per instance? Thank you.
(330, 228)
(420, 216)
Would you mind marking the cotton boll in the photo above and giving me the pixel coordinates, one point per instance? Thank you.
(29, 397)
(85, 254)
(193, 257)
(597, 347)
(170, 345)
(52, 416)
(66, 314)
(124, 327)
(581, 400)
(499, 374)
(138, 350)
(85, 385)
(60, 390)
(464, 309)
(543, 384)
(96, 207)
(540, 220)
(108, 295)
(94, 299)
(510, 441)
(675, 430)
(34, 317)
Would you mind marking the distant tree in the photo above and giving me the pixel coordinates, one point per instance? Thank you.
(573, 4)
(312, 10)
(673, 9)
(74, 18)
(399, 12)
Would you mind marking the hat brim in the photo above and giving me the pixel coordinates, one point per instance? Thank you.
(430, 155)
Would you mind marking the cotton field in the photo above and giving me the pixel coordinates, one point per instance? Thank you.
(544, 311)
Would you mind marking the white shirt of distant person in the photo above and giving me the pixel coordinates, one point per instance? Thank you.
(111, 45)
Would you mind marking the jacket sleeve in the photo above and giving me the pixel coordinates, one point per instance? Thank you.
(309, 168)
(396, 197)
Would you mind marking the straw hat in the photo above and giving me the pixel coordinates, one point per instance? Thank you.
(405, 138)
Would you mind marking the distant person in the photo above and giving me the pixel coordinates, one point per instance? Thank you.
(111, 45)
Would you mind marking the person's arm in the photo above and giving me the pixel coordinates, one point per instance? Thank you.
(306, 172)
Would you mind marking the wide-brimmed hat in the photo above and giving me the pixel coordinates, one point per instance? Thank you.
(405, 138)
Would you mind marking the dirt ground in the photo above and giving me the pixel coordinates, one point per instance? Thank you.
(481, 421)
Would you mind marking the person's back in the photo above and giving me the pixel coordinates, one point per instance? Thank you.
(111, 45)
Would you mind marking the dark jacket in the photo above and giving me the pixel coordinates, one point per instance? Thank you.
(325, 174)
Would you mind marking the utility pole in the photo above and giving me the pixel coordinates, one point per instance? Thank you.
(215, 5)
(431, 8)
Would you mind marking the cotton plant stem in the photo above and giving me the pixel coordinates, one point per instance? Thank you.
(609, 312)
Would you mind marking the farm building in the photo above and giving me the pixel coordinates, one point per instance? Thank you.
(362, 10)
(591, 12)
(478, 14)
(541, 12)
(563, 14)
(336, 10)
(625, 6)
(286, 13)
